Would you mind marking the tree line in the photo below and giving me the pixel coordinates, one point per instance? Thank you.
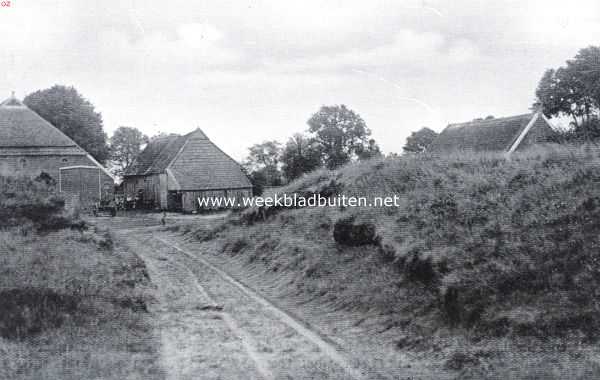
(335, 136)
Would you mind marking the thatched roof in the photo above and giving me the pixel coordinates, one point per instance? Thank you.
(192, 161)
(167, 154)
(494, 134)
(25, 133)
(144, 162)
(22, 128)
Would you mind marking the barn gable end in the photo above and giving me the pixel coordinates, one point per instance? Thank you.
(201, 165)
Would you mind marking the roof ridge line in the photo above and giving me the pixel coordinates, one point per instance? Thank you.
(16, 103)
(493, 120)
(187, 139)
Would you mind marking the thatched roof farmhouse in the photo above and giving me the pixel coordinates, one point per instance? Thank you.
(30, 146)
(173, 171)
(505, 134)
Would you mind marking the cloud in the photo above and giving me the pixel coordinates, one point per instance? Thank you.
(175, 53)
(408, 51)
(554, 24)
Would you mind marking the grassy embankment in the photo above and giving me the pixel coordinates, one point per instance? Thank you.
(72, 304)
(489, 266)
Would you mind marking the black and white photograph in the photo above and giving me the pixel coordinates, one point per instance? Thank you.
(277, 189)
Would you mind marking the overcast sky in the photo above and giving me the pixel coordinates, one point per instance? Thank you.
(247, 71)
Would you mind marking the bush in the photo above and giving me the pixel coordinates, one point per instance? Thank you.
(348, 232)
(27, 312)
(207, 233)
(238, 245)
(23, 200)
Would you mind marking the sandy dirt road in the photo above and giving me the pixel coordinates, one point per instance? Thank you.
(214, 327)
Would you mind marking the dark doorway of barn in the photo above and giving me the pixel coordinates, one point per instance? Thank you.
(174, 201)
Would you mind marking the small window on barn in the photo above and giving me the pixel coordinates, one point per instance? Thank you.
(22, 163)
(65, 160)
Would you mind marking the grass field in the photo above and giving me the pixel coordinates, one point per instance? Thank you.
(73, 304)
(489, 265)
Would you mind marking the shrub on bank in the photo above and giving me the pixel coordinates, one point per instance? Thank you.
(33, 201)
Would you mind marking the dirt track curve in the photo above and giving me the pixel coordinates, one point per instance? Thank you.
(213, 326)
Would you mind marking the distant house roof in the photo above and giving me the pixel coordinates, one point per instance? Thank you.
(20, 127)
(505, 134)
(192, 161)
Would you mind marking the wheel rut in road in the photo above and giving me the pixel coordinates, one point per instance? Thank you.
(214, 326)
(325, 348)
(198, 341)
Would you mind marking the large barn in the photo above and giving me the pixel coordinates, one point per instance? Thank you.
(30, 146)
(506, 134)
(173, 171)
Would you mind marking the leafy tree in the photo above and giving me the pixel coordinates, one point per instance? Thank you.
(300, 155)
(74, 115)
(340, 132)
(259, 181)
(419, 141)
(589, 130)
(264, 158)
(572, 90)
(264, 154)
(586, 132)
(125, 145)
(371, 150)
